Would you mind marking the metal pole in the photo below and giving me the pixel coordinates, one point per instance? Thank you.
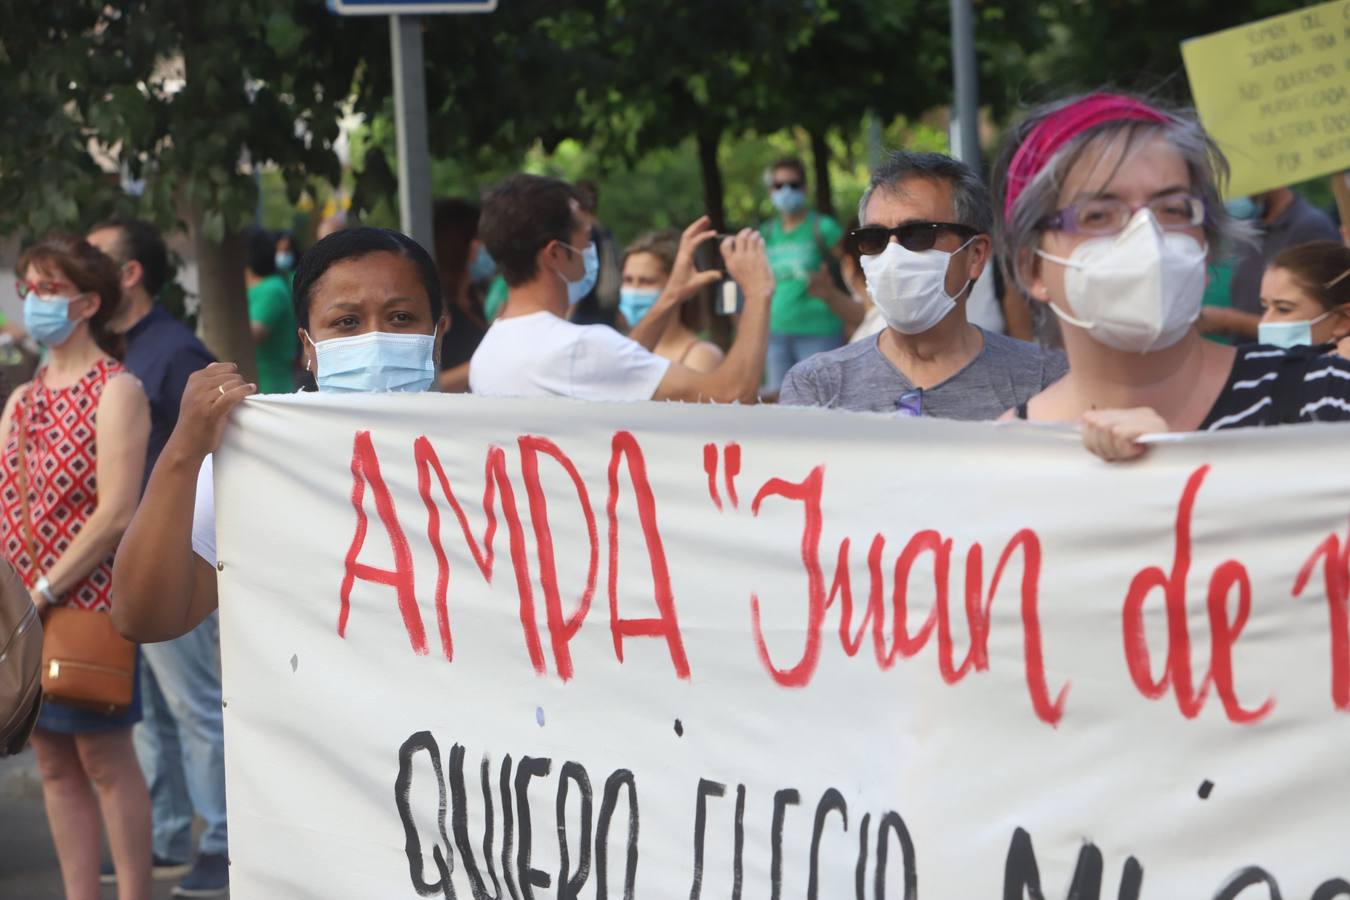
(967, 108)
(410, 105)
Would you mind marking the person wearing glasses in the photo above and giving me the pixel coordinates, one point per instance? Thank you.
(923, 242)
(807, 318)
(72, 452)
(1112, 210)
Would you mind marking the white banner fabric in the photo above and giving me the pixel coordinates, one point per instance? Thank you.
(481, 648)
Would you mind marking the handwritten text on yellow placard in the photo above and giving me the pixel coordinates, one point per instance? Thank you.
(1275, 94)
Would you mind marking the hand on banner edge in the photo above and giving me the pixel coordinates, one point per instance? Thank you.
(1114, 434)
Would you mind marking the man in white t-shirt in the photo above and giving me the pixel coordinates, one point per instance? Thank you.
(539, 235)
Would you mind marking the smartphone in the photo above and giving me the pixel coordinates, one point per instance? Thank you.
(730, 300)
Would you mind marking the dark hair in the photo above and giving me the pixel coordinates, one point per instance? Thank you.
(354, 243)
(454, 224)
(971, 202)
(520, 217)
(141, 241)
(790, 162)
(260, 251)
(588, 193)
(91, 271)
(1320, 268)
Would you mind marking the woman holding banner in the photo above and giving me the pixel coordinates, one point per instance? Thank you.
(1111, 211)
(1305, 297)
(368, 303)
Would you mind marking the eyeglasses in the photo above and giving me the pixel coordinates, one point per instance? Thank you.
(796, 185)
(914, 236)
(910, 404)
(44, 289)
(1107, 216)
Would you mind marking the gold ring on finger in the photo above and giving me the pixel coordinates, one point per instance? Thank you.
(221, 388)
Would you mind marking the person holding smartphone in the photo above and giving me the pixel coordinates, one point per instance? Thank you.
(923, 242)
(647, 265)
(539, 233)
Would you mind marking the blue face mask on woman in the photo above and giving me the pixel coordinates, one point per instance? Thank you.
(635, 303)
(48, 321)
(377, 361)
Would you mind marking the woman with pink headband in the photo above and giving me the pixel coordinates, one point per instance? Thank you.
(1111, 212)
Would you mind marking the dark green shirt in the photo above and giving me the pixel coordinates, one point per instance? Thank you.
(269, 305)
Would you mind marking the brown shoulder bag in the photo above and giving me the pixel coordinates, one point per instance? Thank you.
(20, 662)
(85, 662)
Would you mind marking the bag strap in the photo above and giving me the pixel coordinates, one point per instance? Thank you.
(26, 511)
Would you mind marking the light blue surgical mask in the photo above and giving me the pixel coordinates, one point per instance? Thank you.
(1288, 334)
(285, 260)
(374, 362)
(1243, 208)
(483, 266)
(48, 320)
(635, 303)
(788, 199)
(590, 258)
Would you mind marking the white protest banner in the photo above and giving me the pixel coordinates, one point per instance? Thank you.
(521, 649)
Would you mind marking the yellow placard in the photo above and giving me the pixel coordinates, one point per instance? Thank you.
(1275, 94)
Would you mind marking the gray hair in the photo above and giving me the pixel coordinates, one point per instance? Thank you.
(970, 198)
(1018, 231)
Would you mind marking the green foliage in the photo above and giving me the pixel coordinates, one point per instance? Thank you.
(1130, 44)
(187, 96)
(615, 90)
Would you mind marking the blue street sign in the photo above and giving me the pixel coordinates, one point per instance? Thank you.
(409, 7)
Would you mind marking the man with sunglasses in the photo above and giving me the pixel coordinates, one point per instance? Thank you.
(923, 242)
(799, 242)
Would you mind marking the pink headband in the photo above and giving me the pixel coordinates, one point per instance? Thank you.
(1057, 129)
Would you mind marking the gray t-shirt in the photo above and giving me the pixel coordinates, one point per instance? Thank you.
(1299, 224)
(1005, 373)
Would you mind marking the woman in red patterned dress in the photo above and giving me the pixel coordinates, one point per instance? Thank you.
(85, 424)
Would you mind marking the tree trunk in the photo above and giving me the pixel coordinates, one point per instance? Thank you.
(713, 200)
(223, 316)
(719, 329)
(820, 160)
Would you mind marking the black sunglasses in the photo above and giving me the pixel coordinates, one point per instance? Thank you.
(913, 236)
(790, 184)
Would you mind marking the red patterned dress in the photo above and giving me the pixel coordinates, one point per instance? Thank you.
(62, 480)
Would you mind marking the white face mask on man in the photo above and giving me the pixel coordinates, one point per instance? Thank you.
(1136, 291)
(910, 288)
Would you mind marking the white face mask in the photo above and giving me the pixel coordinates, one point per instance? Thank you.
(1137, 291)
(910, 289)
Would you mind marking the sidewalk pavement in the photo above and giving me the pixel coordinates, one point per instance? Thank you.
(28, 866)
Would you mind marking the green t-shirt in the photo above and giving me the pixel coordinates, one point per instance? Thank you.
(1217, 293)
(269, 305)
(793, 256)
(496, 298)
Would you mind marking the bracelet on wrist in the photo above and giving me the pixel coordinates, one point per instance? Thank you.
(44, 587)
